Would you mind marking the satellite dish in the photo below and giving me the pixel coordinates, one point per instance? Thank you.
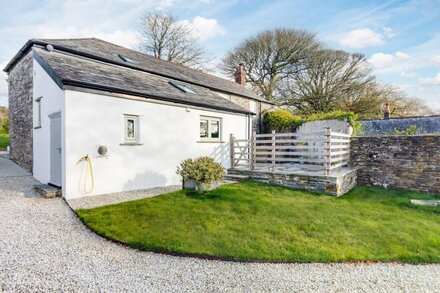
(49, 47)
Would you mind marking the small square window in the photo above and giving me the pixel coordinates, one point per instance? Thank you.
(210, 129)
(131, 128)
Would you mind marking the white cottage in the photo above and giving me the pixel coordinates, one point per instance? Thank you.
(136, 117)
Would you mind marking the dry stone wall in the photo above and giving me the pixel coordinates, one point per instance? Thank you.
(20, 112)
(408, 162)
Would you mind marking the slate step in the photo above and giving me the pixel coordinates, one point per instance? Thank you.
(431, 203)
(48, 191)
(236, 177)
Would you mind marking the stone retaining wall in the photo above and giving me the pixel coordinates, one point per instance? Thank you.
(337, 184)
(408, 162)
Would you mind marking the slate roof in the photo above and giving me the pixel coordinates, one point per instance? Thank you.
(108, 52)
(68, 69)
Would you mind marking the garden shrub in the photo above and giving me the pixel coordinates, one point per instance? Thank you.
(411, 130)
(281, 120)
(202, 169)
(284, 120)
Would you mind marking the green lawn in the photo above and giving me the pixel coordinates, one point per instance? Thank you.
(255, 221)
(4, 140)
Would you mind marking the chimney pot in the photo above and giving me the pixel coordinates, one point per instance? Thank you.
(240, 75)
(386, 111)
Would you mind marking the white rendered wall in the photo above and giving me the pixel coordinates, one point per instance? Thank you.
(52, 101)
(168, 135)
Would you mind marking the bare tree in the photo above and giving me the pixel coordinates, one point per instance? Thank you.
(270, 57)
(401, 104)
(330, 79)
(168, 39)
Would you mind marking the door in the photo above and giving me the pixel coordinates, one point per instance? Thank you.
(55, 149)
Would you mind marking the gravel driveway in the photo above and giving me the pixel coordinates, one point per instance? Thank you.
(44, 247)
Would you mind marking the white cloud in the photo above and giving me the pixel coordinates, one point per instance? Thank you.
(362, 38)
(408, 74)
(436, 59)
(165, 4)
(205, 28)
(388, 32)
(382, 60)
(402, 55)
(431, 81)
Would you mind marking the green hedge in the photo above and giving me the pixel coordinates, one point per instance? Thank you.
(4, 141)
(282, 120)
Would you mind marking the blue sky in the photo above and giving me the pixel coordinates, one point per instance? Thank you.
(401, 39)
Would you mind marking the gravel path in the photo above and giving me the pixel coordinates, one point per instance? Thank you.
(45, 248)
(89, 202)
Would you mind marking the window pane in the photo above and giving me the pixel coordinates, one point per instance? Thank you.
(204, 128)
(130, 128)
(215, 127)
(39, 112)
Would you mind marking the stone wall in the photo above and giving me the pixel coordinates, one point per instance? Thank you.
(428, 124)
(262, 107)
(20, 112)
(337, 184)
(408, 162)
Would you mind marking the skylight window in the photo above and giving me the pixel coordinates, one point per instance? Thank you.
(126, 59)
(182, 87)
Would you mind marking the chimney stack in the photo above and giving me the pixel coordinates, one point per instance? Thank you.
(240, 75)
(386, 111)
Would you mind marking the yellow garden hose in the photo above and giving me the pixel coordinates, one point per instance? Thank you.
(89, 168)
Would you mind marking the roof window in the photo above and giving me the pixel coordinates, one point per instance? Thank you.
(126, 59)
(182, 87)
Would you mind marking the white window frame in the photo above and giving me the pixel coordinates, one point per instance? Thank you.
(220, 126)
(38, 121)
(136, 137)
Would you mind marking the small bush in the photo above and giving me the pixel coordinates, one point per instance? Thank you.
(203, 169)
(411, 130)
(283, 120)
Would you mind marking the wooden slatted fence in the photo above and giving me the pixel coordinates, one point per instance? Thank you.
(327, 149)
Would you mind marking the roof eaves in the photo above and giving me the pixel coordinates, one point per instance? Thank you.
(74, 83)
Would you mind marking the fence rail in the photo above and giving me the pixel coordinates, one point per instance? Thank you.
(327, 149)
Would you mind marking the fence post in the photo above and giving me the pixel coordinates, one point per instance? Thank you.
(273, 150)
(232, 150)
(328, 155)
(253, 150)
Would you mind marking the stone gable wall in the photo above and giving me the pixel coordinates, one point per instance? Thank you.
(20, 112)
(408, 162)
(262, 107)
